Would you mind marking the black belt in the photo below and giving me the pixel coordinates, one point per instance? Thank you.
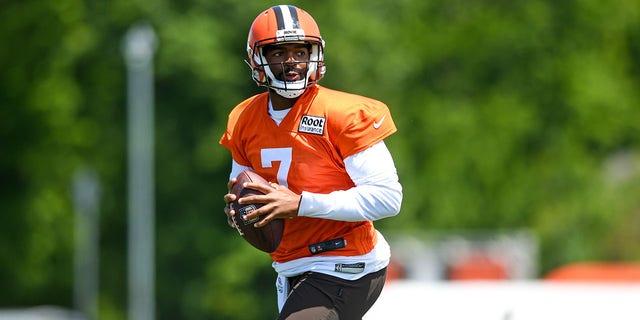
(329, 245)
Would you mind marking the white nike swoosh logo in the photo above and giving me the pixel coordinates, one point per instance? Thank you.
(377, 125)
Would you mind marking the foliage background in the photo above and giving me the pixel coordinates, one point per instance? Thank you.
(511, 114)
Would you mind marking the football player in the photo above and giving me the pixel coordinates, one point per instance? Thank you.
(331, 173)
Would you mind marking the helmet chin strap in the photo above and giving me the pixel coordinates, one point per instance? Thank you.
(289, 94)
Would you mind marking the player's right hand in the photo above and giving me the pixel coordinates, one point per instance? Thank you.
(228, 198)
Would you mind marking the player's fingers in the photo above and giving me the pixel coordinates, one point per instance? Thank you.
(230, 222)
(229, 197)
(253, 199)
(265, 220)
(260, 187)
(268, 213)
(231, 183)
(229, 212)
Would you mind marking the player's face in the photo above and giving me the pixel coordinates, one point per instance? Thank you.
(288, 61)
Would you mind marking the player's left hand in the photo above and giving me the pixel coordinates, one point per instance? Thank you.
(279, 202)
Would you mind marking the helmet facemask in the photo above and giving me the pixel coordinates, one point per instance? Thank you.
(264, 75)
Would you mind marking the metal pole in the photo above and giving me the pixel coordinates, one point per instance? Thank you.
(86, 199)
(139, 47)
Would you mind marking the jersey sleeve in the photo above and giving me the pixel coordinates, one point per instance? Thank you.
(230, 142)
(230, 139)
(363, 124)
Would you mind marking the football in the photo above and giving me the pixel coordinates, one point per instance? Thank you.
(266, 238)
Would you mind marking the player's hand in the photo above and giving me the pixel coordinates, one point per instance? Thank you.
(228, 198)
(279, 203)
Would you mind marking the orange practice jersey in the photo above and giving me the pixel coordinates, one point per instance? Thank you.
(306, 152)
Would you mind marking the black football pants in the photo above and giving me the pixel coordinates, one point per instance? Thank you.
(319, 296)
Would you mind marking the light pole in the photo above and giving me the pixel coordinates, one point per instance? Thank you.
(86, 199)
(139, 47)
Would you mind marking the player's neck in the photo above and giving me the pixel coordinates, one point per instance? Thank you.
(279, 102)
